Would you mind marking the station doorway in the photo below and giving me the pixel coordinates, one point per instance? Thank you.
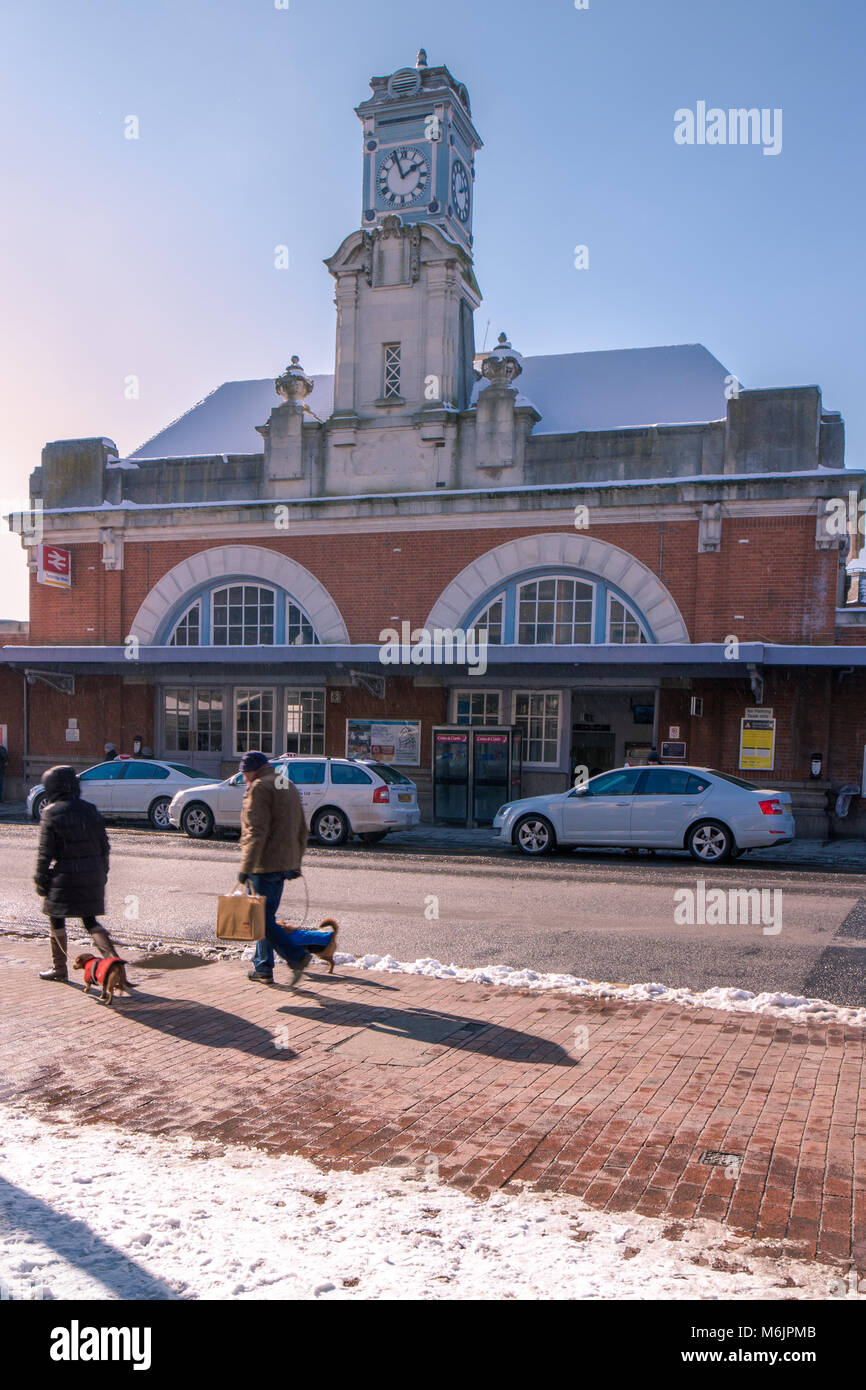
(610, 728)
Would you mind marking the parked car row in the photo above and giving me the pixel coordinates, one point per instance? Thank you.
(711, 814)
(341, 796)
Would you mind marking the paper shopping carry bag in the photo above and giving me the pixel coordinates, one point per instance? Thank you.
(240, 916)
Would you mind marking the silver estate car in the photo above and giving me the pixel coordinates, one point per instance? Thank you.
(711, 814)
(341, 797)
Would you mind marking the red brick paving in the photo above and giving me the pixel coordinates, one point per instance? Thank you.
(501, 1098)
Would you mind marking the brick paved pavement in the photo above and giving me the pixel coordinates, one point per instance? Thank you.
(610, 1101)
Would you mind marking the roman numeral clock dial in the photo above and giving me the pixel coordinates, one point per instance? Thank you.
(403, 177)
(460, 190)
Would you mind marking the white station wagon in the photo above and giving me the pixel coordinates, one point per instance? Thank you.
(711, 814)
(140, 788)
(340, 797)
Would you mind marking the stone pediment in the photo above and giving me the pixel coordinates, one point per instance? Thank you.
(354, 253)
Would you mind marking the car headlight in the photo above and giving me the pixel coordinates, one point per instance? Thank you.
(503, 810)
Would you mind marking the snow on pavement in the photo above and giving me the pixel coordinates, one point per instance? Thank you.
(94, 1212)
(794, 1008)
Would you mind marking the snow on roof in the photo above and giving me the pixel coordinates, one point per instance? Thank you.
(620, 389)
(225, 421)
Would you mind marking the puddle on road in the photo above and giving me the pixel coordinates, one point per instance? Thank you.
(180, 961)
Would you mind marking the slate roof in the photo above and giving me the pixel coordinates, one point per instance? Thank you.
(573, 391)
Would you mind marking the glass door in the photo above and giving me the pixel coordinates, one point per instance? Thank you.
(490, 773)
(451, 775)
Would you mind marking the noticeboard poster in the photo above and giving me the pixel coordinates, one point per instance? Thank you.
(386, 740)
(757, 743)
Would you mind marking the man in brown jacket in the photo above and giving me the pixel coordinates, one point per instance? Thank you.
(273, 840)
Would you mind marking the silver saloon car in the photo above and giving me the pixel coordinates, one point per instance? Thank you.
(133, 788)
(711, 814)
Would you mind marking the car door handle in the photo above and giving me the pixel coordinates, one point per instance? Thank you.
(689, 803)
(623, 803)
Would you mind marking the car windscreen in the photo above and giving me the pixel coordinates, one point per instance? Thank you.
(388, 773)
(737, 781)
(187, 771)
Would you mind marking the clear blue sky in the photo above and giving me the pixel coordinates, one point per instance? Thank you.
(155, 257)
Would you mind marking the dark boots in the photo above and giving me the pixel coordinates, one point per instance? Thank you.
(58, 969)
(57, 936)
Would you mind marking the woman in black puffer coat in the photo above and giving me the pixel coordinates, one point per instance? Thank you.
(71, 866)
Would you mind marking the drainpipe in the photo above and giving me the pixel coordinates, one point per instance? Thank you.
(26, 752)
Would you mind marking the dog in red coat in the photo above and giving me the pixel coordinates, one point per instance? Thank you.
(107, 971)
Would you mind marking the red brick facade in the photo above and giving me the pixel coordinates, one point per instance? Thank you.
(768, 570)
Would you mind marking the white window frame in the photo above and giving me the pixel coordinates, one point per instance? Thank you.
(485, 691)
(175, 690)
(529, 762)
(237, 691)
(184, 617)
(194, 690)
(290, 604)
(244, 584)
(541, 579)
(504, 640)
(305, 690)
(392, 360)
(616, 598)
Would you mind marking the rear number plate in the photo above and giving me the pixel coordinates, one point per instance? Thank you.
(404, 796)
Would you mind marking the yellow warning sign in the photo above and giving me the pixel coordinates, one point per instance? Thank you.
(757, 744)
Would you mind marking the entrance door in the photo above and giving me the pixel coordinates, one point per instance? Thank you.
(600, 813)
(594, 749)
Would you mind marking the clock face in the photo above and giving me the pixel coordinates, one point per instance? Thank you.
(403, 177)
(460, 189)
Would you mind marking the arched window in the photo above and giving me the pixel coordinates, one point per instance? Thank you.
(559, 609)
(491, 621)
(299, 628)
(622, 625)
(554, 611)
(187, 630)
(241, 614)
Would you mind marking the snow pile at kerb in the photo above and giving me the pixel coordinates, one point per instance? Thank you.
(795, 1008)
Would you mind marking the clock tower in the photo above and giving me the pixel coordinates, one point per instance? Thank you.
(419, 150)
(405, 288)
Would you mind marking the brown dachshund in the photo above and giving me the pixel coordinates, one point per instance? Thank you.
(107, 971)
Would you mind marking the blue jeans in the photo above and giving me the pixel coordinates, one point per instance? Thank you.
(270, 887)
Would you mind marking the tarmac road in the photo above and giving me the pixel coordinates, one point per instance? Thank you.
(605, 918)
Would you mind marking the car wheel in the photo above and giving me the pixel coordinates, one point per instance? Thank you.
(330, 826)
(197, 820)
(158, 813)
(709, 842)
(373, 837)
(534, 835)
(38, 807)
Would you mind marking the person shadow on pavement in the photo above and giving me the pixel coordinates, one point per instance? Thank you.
(433, 1027)
(190, 1021)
